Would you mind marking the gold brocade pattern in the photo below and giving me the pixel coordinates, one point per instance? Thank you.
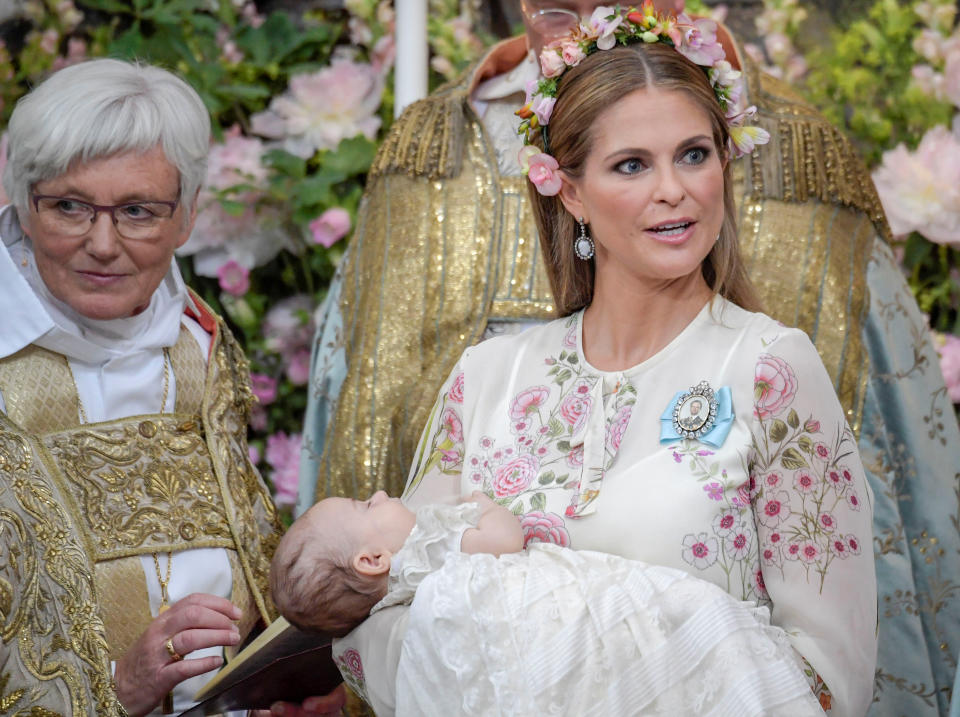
(444, 244)
(188, 366)
(126, 612)
(34, 383)
(54, 658)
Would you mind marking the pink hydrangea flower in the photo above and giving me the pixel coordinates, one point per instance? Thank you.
(234, 279)
(775, 385)
(320, 109)
(528, 401)
(283, 456)
(920, 191)
(288, 326)
(264, 388)
(541, 527)
(330, 227)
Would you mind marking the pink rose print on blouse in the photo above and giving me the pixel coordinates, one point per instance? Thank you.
(570, 339)
(617, 427)
(540, 527)
(700, 550)
(774, 386)
(514, 476)
(455, 394)
(575, 457)
(351, 658)
(574, 410)
(774, 509)
(452, 425)
(528, 401)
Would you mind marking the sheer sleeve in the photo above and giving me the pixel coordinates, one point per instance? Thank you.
(438, 461)
(813, 511)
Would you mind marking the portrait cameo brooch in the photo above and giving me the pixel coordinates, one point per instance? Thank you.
(695, 411)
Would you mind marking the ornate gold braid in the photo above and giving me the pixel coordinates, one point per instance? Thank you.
(56, 654)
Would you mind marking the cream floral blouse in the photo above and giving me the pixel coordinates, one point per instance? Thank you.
(726, 454)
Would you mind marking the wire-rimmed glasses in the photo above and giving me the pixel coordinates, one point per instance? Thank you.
(71, 217)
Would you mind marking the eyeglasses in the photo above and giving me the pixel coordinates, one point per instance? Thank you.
(551, 22)
(133, 220)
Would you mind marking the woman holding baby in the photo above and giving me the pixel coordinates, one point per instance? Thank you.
(662, 419)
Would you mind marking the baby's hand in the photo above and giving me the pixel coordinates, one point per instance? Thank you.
(478, 496)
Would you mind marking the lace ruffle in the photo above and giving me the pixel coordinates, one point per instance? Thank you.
(436, 535)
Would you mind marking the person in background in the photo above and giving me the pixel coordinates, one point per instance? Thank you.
(445, 254)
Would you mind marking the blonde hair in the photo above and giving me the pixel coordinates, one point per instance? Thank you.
(583, 93)
(314, 584)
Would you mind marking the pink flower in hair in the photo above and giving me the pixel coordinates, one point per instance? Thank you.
(699, 41)
(551, 62)
(543, 173)
(543, 107)
(601, 26)
(572, 53)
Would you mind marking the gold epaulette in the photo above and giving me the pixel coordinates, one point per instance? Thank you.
(807, 157)
(427, 139)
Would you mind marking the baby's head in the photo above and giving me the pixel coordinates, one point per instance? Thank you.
(331, 567)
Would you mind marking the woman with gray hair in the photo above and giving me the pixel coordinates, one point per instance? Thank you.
(135, 534)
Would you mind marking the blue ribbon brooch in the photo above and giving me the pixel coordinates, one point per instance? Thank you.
(699, 413)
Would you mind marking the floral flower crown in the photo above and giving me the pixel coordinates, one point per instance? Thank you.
(607, 27)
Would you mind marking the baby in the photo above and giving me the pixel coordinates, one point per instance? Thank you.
(331, 567)
(496, 629)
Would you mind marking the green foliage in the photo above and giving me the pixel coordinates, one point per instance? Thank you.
(861, 80)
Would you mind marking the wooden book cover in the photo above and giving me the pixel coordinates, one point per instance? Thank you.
(282, 663)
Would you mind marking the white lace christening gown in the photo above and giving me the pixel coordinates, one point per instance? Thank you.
(553, 631)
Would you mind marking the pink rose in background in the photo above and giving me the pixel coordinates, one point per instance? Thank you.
(574, 410)
(920, 191)
(320, 109)
(264, 388)
(234, 279)
(948, 349)
(775, 385)
(528, 401)
(297, 366)
(330, 227)
(514, 476)
(540, 527)
(283, 456)
(288, 326)
(253, 454)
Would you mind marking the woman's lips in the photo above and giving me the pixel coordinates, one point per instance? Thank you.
(673, 232)
(101, 278)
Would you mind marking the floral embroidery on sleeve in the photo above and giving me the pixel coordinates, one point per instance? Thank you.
(351, 669)
(441, 446)
(803, 487)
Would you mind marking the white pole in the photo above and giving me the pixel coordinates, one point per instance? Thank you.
(410, 71)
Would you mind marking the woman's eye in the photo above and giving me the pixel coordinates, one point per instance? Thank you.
(696, 155)
(68, 206)
(630, 166)
(136, 211)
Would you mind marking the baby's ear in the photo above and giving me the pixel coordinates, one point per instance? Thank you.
(372, 562)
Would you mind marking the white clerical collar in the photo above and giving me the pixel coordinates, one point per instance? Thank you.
(507, 84)
(32, 315)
